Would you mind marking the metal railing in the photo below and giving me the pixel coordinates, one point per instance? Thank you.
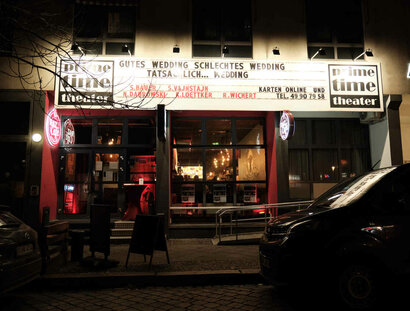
(270, 211)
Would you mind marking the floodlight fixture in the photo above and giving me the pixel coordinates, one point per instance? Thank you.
(367, 52)
(76, 47)
(321, 51)
(125, 49)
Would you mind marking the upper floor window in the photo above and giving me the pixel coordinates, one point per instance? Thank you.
(7, 25)
(222, 28)
(105, 30)
(336, 27)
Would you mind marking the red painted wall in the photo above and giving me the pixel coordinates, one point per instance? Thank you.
(49, 168)
(271, 173)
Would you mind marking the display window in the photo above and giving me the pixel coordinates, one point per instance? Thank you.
(213, 160)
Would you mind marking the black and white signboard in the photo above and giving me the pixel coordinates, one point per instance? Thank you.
(201, 84)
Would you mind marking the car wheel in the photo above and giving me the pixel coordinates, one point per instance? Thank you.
(358, 286)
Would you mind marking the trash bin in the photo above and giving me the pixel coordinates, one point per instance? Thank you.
(77, 244)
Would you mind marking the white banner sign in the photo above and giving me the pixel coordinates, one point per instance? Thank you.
(199, 84)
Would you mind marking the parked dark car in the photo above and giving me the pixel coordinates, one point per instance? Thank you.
(355, 237)
(20, 260)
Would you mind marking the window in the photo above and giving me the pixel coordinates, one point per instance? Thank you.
(217, 161)
(324, 152)
(109, 132)
(8, 16)
(8, 124)
(187, 132)
(104, 30)
(222, 24)
(76, 183)
(141, 132)
(82, 131)
(12, 172)
(335, 27)
(112, 161)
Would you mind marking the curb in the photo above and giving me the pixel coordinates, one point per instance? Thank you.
(142, 279)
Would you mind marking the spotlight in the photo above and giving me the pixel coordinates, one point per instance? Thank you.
(368, 53)
(225, 50)
(175, 49)
(321, 51)
(125, 49)
(276, 51)
(74, 47)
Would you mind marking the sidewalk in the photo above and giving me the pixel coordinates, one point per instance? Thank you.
(192, 262)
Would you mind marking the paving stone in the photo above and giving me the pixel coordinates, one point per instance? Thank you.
(204, 298)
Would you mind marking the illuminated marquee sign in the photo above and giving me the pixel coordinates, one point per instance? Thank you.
(203, 84)
(53, 128)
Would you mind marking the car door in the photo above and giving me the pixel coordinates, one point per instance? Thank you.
(390, 211)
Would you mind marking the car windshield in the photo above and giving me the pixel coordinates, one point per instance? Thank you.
(350, 190)
(8, 220)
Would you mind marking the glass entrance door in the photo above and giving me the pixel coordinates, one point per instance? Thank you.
(108, 177)
(140, 186)
(76, 182)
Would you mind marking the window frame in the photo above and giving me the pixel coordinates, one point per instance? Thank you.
(334, 45)
(125, 151)
(338, 146)
(104, 39)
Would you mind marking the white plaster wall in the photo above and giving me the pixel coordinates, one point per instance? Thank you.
(380, 144)
(405, 127)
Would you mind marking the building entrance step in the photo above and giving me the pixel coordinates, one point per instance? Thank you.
(240, 239)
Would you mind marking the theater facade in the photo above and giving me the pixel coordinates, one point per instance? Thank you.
(185, 107)
(187, 137)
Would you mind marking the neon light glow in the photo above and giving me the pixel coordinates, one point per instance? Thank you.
(53, 128)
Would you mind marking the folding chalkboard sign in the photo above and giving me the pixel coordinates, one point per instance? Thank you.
(148, 235)
(100, 230)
